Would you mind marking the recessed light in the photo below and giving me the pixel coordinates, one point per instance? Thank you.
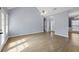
(43, 12)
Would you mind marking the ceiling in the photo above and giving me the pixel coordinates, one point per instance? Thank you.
(73, 11)
(52, 10)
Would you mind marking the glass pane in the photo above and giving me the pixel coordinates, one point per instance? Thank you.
(75, 25)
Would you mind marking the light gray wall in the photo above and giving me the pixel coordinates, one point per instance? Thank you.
(24, 20)
(61, 24)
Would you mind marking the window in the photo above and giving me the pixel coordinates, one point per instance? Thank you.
(75, 25)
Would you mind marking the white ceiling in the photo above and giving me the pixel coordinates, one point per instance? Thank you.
(73, 11)
(52, 10)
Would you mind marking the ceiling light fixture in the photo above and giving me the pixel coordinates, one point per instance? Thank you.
(43, 12)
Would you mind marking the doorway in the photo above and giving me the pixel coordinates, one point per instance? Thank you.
(50, 24)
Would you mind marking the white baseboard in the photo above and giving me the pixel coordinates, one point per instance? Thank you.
(25, 34)
(66, 36)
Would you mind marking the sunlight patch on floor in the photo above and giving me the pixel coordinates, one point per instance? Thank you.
(75, 39)
(17, 46)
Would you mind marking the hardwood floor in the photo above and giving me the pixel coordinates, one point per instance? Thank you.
(42, 42)
(73, 44)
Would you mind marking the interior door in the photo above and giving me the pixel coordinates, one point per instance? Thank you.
(0, 27)
(3, 27)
